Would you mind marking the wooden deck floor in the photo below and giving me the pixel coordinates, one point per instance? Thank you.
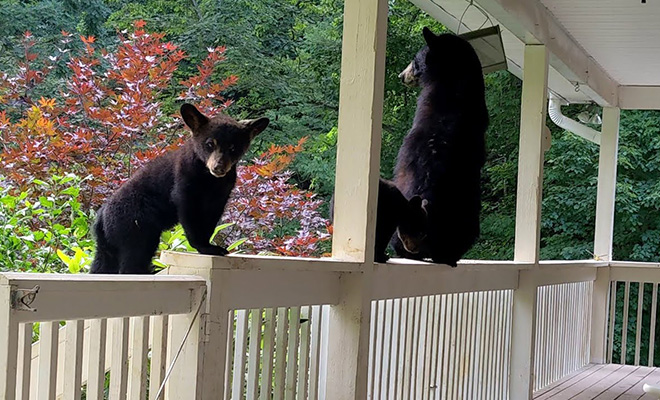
(603, 382)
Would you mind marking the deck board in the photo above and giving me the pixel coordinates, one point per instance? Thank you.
(602, 382)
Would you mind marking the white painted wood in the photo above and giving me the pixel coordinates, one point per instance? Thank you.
(372, 351)
(119, 358)
(530, 161)
(315, 352)
(229, 362)
(523, 336)
(280, 288)
(73, 357)
(254, 358)
(203, 362)
(376, 347)
(607, 173)
(24, 364)
(48, 343)
(242, 262)
(610, 331)
(323, 368)
(393, 281)
(304, 354)
(96, 351)
(635, 274)
(359, 128)
(358, 156)
(138, 350)
(268, 353)
(113, 296)
(639, 97)
(240, 347)
(292, 351)
(8, 349)
(624, 325)
(281, 345)
(158, 331)
(654, 309)
(349, 335)
(638, 327)
(532, 23)
(605, 201)
(387, 349)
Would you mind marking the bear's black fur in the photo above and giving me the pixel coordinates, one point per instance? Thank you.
(190, 185)
(442, 154)
(395, 214)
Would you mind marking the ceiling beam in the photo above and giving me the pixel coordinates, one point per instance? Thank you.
(533, 23)
(639, 97)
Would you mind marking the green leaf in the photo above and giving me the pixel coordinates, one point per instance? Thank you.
(236, 244)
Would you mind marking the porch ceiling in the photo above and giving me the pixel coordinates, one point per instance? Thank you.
(611, 48)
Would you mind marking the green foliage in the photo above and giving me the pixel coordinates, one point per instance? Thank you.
(44, 233)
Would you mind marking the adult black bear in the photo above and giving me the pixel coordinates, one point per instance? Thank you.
(396, 214)
(442, 154)
(190, 185)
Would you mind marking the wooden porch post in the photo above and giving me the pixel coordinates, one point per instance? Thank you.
(201, 368)
(528, 218)
(604, 229)
(356, 192)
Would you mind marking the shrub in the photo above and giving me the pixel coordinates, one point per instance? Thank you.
(38, 232)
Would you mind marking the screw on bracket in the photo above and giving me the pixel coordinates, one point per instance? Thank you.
(23, 298)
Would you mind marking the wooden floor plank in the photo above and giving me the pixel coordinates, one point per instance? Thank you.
(606, 383)
(603, 382)
(569, 379)
(623, 386)
(636, 391)
(653, 378)
(618, 389)
(578, 387)
(572, 381)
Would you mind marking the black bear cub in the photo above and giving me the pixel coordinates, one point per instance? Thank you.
(442, 154)
(394, 213)
(190, 185)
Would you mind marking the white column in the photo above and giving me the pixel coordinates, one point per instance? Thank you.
(530, 158)
(609, 145)
(528, 218)
(360, 125)
(356, 191)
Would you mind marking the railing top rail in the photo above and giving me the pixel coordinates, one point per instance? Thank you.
(52, 297)
(634, 264)
(10, 278)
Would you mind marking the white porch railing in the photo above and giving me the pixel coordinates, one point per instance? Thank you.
(107, 323)
(436, 332)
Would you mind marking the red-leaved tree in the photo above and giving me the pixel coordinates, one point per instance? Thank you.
(106, 118)
(272, 214)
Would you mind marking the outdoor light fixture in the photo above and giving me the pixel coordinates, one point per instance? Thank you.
(590, 116)
(487, 42)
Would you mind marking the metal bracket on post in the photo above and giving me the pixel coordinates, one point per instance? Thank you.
(22, 299)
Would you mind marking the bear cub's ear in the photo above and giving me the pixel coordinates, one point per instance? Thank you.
(192, 117)
(255, 126)
(429, 36)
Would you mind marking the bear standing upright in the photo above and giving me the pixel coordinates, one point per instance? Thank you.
(442, 154)
(190, 185)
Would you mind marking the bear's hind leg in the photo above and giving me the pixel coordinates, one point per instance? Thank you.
(136, 259)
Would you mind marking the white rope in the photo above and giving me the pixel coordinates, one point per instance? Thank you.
(183, 342)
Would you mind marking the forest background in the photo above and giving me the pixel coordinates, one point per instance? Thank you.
(89, 91)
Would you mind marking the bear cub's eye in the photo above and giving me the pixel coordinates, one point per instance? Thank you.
(209, 145)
